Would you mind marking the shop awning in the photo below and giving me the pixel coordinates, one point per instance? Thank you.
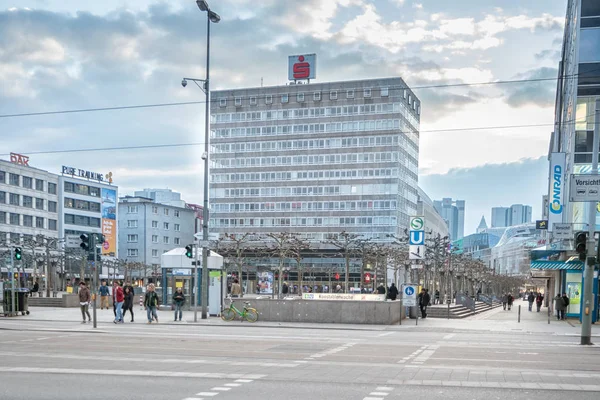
(556, 265)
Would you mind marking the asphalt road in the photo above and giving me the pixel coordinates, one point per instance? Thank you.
(54, 360)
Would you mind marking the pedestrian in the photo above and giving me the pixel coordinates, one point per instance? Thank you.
(424, 299)
(151, 303)
(104, 293)
(436, 297)
(128, 285)
(530, 299)
(504, 300)
(567, 302)
(511, 299)
(338, 289)
(128, 302)
(36, 287)
(560, 307)
(236, 289)
(118, 299)
(84, 301)
(285, 288)
(381, 289)
(178, 300)
(539, 299)
(393, 292)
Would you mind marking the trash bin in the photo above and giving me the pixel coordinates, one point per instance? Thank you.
(21, 303)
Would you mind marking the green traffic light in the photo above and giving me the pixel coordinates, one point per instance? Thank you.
(18, 255)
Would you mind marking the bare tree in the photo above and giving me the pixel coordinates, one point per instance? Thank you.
(349, 244)
(237, 249)
(282, 245)
(297, 247)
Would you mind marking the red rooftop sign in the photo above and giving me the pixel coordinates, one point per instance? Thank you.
(19, 159)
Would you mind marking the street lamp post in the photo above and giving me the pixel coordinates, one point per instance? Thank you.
(214, 18)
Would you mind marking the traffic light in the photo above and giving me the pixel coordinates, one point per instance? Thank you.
(18, 254)
(85, 241)
(100, 239)
(188, 251)
(581, 245)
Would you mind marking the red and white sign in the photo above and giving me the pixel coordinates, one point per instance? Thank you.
(302, 66)
(19, 159)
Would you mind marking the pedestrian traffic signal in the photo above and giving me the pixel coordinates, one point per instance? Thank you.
(581, 245)
(18, 254)
(85, 242)
(188, 251)
(100, 239)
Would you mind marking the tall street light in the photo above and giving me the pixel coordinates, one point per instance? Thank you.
(214, 18)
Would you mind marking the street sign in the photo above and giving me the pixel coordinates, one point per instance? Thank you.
(541, 224)
(562, 231)
(417, 223)
(585, 188)
(72, 241)
(417, 238)
(416, 252)
(409, 295)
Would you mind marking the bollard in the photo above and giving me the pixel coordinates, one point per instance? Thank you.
(416, 315)
(519, 313)
(142, 301)
(448, 310)
(400, 322)
(549, 312)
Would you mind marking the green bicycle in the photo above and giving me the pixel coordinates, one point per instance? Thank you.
(249, 314)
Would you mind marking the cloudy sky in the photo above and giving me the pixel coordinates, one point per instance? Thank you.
(481, 143)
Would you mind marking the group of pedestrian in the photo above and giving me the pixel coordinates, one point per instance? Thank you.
(538, 298)
(507, 300)
(561, 303)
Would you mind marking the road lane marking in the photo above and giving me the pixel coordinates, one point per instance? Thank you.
(221, 389)
(243, 380)
(385, 334)
(209, 394)
(233, 384)
(449, 336)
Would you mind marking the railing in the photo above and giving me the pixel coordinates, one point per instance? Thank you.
(465, 301)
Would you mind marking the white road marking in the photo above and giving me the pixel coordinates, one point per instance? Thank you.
(385, 334)
(209, 394)
(378, 394)
(449, 336)
(221, 389)
(233, 384)
(193, 398)
(244, 380)
(384, 389)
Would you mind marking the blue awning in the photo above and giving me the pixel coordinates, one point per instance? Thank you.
(556, 265)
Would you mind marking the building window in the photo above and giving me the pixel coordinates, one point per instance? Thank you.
(238, 101)
(27, 220)
(367, 93)
(39, 204)
(13, 199)
(177, 241)
(132, 209)
(39, 185)
(154, 238)
(69, 187)
(176, 213)
(350, 94)
(2, 200)
(165, 240)
(15, 238)
(154, 253)
(333, 95)
(132, 223)
(385, 92)
(27, 182)
(132, 238)
(2, 221)
(222, 102)
(154, 210)
(268, 99)
(52, 206)
(132, 252)
(166, 225)
(166, 211)
(589, 45)
(285, 98)
(177, 228)
(53, 224)
(51, 188)
(13, 179)
(317, 96)
(39, 222)
(252, 100)
(14, 219)
(155, 224)
(28, 201)
(2, 180)
(94, 191)
(300, 97)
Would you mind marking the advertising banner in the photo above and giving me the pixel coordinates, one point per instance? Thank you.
(109, 221)
(556, 191)
(265, 282)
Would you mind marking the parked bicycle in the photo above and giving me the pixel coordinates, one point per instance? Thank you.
(229, 313)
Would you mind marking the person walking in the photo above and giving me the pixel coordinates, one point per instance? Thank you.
(128, 302)
(393, 292)
(84, 301)
(151, 303)
(436, 297)
(236, 288)
(338, 289)
(178, 300)
(560, 307)
(104, 293)
(567, 302)
(530, 299)
(285, 289)
(539, 300)
(424, 299)
(381, 289)
(511, 299)
(504, 301)
(118, 299)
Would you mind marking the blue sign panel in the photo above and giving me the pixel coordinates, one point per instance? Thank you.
(417, 238)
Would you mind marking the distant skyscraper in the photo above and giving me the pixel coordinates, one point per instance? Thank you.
(516, 214)
(453, 211)
(500, 217)
(482, 225)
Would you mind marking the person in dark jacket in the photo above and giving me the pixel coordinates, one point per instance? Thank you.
(84, 301)
(285, 288)
(560, 307)
(128, 302)
(104, 293)
(567, 302)
(511, 299)
(539, 300)
(381, 289)
(392, 292)
(151, 303)
(178, 300)
(504, 300)
(36, 287)
(531, 299)
(424, 299)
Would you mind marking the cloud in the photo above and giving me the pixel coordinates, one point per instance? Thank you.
(541, 94)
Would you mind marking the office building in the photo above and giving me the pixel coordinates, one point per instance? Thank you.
(453, 211)
(517, 214)
(162, 196)
(434, 222)
(500, 217)
(316, 159)
(148, 229)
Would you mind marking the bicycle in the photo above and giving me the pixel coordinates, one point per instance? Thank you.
(249, 314)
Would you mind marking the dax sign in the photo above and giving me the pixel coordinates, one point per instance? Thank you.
(19, 159)
(302, 67)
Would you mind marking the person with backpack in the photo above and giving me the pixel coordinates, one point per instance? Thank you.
(560, 307)
(393, 292)
(178, 300)
(151, 303)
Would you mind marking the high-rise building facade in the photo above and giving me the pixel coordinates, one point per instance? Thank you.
(315, 159)
(517, 214)
(453, 211)
(500, 217)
